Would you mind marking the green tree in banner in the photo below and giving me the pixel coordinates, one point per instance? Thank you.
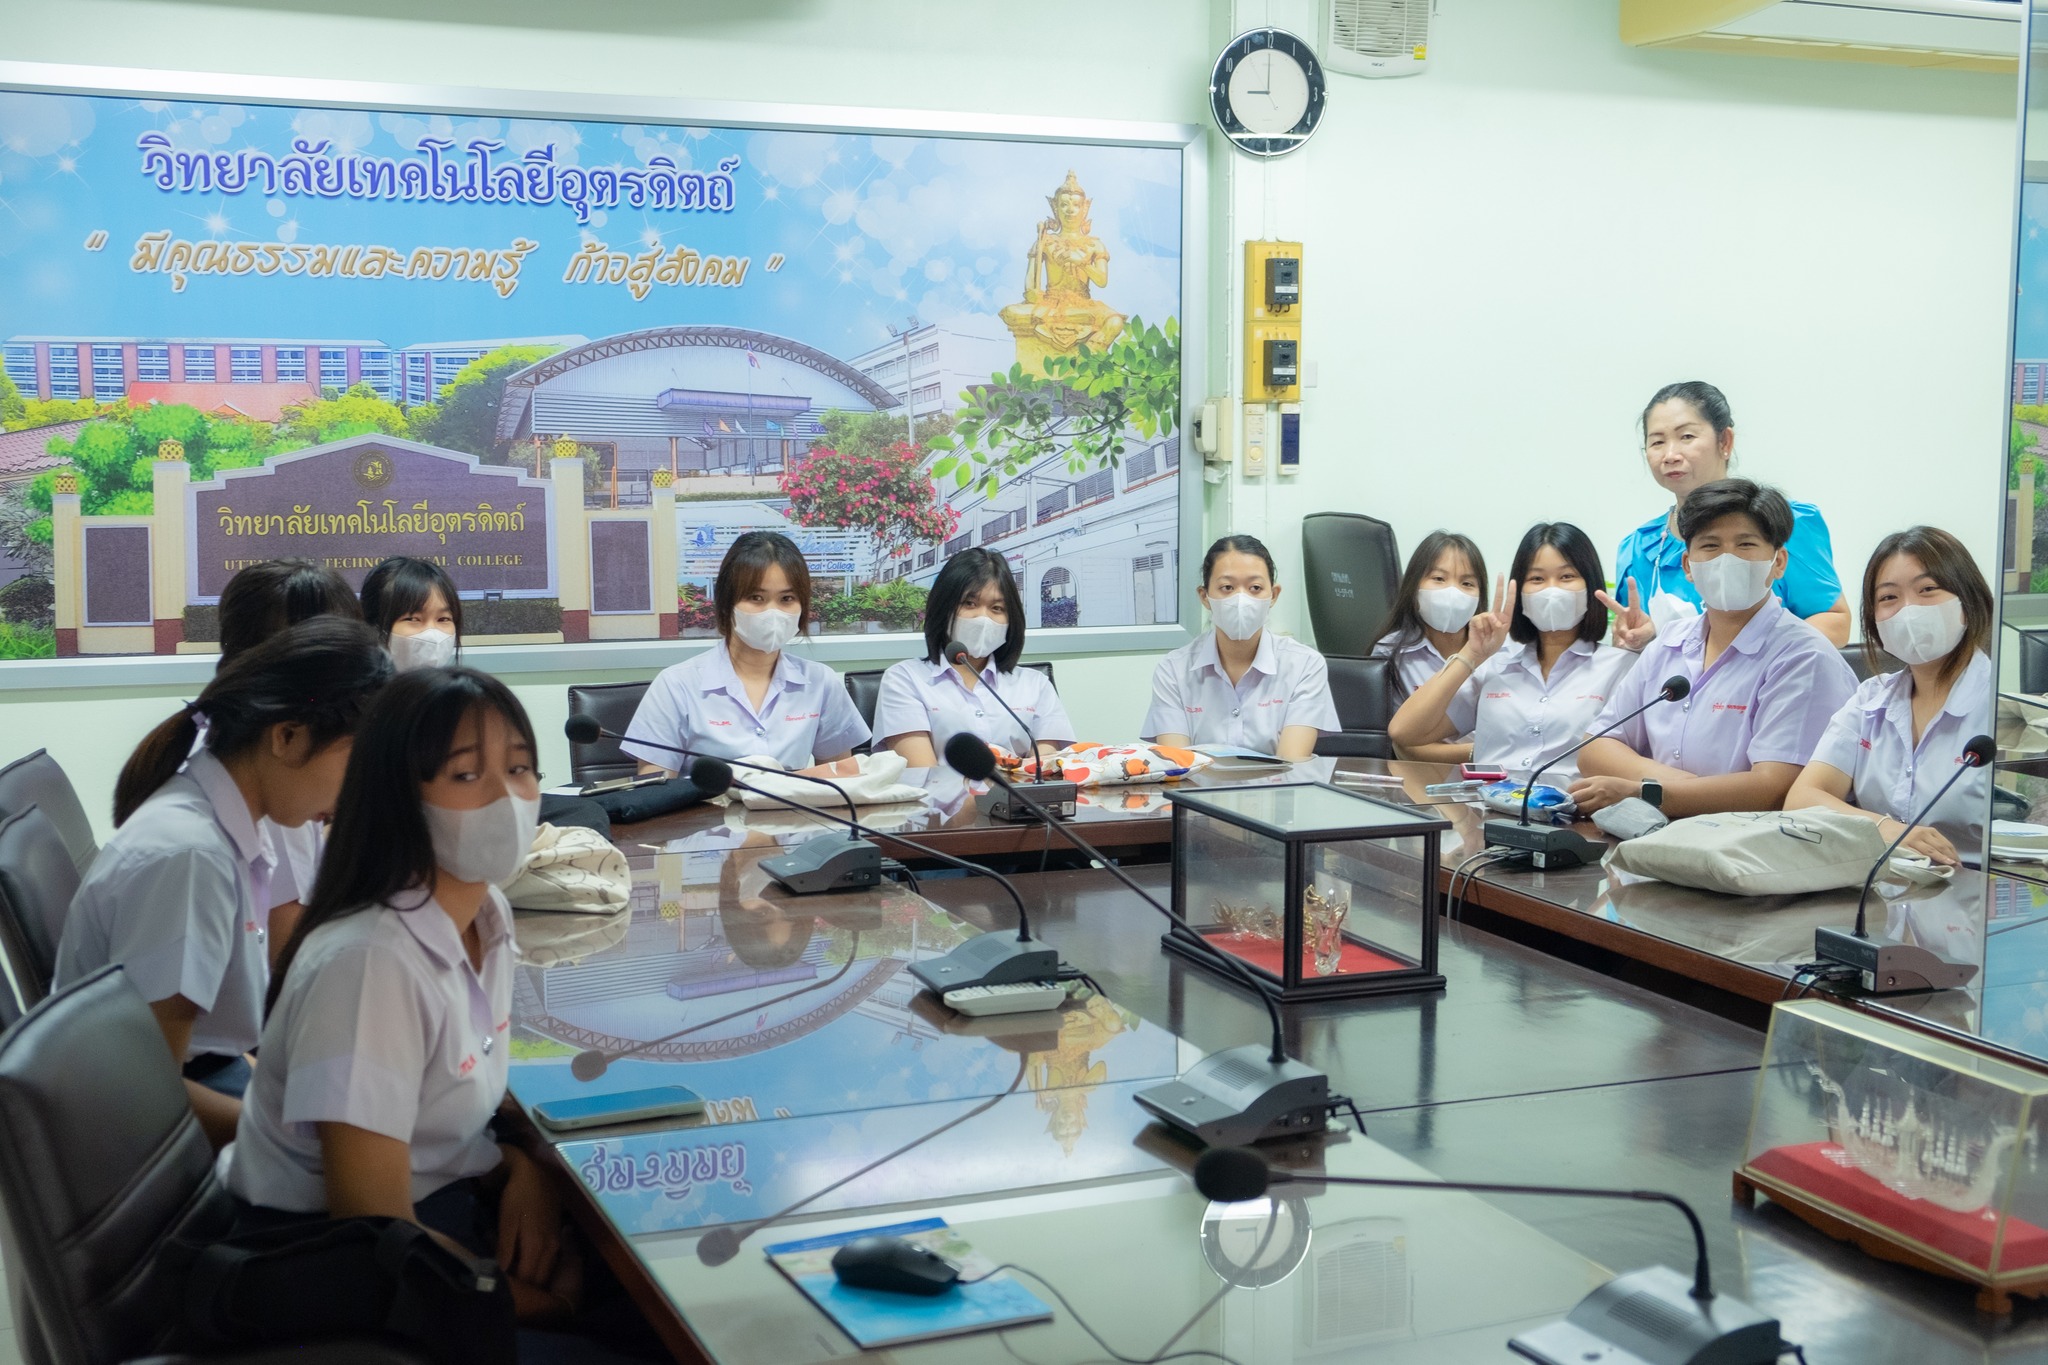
(874, 433)
(12, 409)
(359, 411)
(1083, 408)
(466, 418)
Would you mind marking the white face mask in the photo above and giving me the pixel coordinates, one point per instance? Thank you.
(1728, 582)
(429, 649)
(1923, 633)
(767, 631)
(1555, 608)
(1240, 615)
(1446, 609)
(488, 844)
(980, 635)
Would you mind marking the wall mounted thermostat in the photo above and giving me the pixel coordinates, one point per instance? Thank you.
(1290, 439)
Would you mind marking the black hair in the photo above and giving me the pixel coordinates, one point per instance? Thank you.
(1243, 545)
(402, 585)
(265, 597)
(1709, 402)
(969, 572)
(1763, 505)
(1954, 569)
(320, 674)
(1405, 622)
(740, 572)
(1577, 548)
(379, 846)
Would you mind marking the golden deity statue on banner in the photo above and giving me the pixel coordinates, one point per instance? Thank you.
(1065, 262)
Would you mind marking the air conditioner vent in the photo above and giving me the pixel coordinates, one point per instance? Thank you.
(1377, 37)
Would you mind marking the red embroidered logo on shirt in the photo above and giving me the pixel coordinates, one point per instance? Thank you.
(1866, 744)
(504, 1024)
(1497, 696)
(718, 722)
(1731, 706)
(468, 1064)
(808, 715)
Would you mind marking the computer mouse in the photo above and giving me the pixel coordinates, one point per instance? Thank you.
(894, 1266)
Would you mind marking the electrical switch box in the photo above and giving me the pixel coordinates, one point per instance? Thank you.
(1283, 282)
(1272, 282)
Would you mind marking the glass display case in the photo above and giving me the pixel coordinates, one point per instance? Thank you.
(1916, 1148)
(1321, 892)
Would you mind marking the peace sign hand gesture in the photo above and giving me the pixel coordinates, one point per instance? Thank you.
(1489, 629)
(1633, 627)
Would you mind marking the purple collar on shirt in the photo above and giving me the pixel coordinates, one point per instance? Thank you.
(1749, 640)
(1264, 662)
(435, 932)
(788, 677)
(230, 807)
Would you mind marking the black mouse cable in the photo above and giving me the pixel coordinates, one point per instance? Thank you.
(1165, 1352)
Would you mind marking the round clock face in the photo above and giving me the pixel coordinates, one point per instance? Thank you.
(1267, 91)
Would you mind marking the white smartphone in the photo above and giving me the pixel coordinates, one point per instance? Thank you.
(625, 1106)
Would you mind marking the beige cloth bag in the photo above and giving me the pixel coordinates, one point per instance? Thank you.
(1768, 853)
(571, 870)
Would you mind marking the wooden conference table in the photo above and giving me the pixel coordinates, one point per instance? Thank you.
(1023, 1134)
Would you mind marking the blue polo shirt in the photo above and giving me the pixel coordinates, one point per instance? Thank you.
(1809, 586)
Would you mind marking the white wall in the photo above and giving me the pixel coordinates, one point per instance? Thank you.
(1507, 255)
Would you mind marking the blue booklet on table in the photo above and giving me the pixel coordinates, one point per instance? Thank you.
(876, 1319)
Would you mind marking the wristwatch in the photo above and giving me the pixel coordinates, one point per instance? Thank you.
(1652, 792)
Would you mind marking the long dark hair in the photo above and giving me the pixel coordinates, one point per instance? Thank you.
(1577, 548)
(1406, 621)
(1954, 569)
(740, 572)
(967, 572)
(320, 674)
(264, 598)
(402, 585)
(378, 847)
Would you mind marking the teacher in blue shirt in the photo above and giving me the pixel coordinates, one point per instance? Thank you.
(1689, 441)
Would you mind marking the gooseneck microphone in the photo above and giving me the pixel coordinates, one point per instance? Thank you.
(1883, 965)
(1552, 847)
(584, 729)
(956, 653)
(1650, 1314)
(1238, 1095)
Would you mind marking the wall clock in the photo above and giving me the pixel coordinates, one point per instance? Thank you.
(1267, 91)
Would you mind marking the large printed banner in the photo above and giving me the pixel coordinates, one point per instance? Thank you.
(233, 332)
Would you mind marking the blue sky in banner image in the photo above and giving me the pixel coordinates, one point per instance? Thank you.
(869, 229)
(2030, 338)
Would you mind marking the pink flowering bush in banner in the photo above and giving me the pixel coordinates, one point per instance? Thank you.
(888, 494)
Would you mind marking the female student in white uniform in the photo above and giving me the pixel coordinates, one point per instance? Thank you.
(748, 696)
(925, 702)
(1238, 683)
(179, 895)
(389, 1025)
(414, 606)
(1438, 596)
(1894, 743)
(261, 600)
(1525, 704)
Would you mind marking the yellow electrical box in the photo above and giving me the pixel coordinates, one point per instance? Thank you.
(1272, 282)
(1272, 362)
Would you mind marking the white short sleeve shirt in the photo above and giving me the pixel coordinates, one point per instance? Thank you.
(180, 898)
(1415, 662)
(384, 1025)
(1287, 684)
(298, 860)
(1871, 741)
(1767, 699)
(701, 705)
(1520, 720)
(919, 695)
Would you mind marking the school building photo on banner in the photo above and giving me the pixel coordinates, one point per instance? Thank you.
(572, 361)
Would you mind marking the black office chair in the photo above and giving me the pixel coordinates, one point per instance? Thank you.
(613, 704)
(866, 687)
(37, 781)
(1353, 570)
(1363, 690)
(37, 882)
(1852, 654)
(103, 1166)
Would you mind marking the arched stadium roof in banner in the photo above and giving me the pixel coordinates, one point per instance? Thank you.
(518, 400)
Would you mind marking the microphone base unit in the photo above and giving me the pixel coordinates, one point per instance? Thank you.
(1889, 968)
(1058, 798)
(830, 862)
(1550, 847)
(1240, 1096)
(1649, 1317)
(996, 959)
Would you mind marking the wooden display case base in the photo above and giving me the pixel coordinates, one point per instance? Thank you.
(1994, 1292)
